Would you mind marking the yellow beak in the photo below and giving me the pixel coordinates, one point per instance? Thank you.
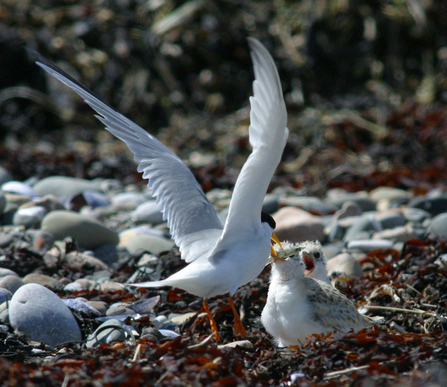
(276, 240)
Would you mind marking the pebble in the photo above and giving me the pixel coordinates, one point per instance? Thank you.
(5, 176)
(62, 186)
(11, 282)
(148, 212)
(244, 344)
(81, 306)
(4, 272)
(346, 264)
(415, 215)
(296, 225)
(363, 227)
(433, 205)
(128, 201)
(438, 226)
(77, 261)
(5, 295)
(17, 187)
(151, 243)
(100, 306)
(38, 313)
(93, 199)
(109, 331)
(389, 193)
(6, 239)
(88, 233)
(42, 279)
(29, 216)
(399, 234)
(2, 202)
(339, 196)
(310, 204)
(369, 245)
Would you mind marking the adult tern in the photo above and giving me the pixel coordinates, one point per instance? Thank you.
(221, 257)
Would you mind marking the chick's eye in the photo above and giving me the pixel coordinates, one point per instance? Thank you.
(317, 255)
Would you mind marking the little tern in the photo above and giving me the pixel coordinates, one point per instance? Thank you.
(298, 306)
(221, 257)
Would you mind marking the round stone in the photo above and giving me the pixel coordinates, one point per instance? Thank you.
(38, 313)
(63, 187)
(89, 233)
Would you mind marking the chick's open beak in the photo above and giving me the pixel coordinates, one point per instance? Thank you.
(309, 262)
(272, 250)
(276, 240)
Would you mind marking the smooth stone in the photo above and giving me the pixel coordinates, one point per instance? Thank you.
(100, 306)
(244, 344)
(88, 233)
(93, 199)
(389, 193)
(5, 176)
(150, 243)
(438, 226)
(107, 254)
(152, 334)
(73, 287)
(415, 215)
(119, 309)
(77, 261)
(5, 295)
(182, 318)
(41, 279)
(80, 284)
(370, 245)
(99, 276)
(332, 249)
(347, 210)
(110, 286)
(391, 219)
(434, 206)
(141, 230)
(6, 239)
(270, 203)
(49, 202)
(127, 201)
(107, 332)
(296, 225)
(17, 187)
(364, 225)
(81, 306)
(38, 313)
(338, 197)
(11, 282)
(169, 333)
(145, 306)
(14, 200)
(159, 321)
(63, 186)
(310, 204)
(346, 264)
(148, 212)
(335, 232)
(2, 203)
(4, 272)
(29, 216)
(397, 234)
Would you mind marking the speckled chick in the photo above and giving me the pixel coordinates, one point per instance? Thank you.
(299, 306)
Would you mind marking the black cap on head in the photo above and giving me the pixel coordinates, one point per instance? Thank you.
(268, 219)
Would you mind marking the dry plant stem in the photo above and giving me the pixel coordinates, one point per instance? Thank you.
(345, 371)
(415, 311)
(212, 322)
(238, 326)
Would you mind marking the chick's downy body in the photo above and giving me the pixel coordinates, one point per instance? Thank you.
(298, 306)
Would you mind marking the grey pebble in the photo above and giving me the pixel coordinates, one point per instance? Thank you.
(6, 239)
(415, 215)
(4, 272)
(127, 201)
(42, 279)
(362, 228)
(345, 263)
(11, 282)
(310, 204)
(81, 306)
(5, 176)
(151, 243)
(109, 331)
(29, 216)
(391, 219)
(5, 295)
(389, 193)
(338, 197)
(17, 187)
(438, 226)
(369, 245)
(2, 203)
(63, 187)
(88, 232)
(148, 212)
(41, 315)
(434, 205)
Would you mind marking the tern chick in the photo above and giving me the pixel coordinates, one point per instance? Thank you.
(299, 306)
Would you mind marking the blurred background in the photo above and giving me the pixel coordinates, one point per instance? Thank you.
(365, 84)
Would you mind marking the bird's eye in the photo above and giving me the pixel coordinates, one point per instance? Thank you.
(317, 255)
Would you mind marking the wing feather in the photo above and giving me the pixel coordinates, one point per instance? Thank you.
(172, 183)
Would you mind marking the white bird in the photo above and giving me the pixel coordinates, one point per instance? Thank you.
(298, 306)
(221, 257)
(312, 254)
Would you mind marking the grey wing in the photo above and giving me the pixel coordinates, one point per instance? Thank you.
(332, 309)
(179, 196)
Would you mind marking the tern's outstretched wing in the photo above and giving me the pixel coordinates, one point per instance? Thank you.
(268, 135)
(182, 201)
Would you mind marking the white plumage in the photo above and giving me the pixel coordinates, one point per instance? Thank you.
(221, 257)
(298, 306)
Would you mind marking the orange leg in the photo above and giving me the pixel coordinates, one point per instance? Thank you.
(212, 322)
(238, 326)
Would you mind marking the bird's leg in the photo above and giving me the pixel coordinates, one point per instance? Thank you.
(238, 326)
(212, 322)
